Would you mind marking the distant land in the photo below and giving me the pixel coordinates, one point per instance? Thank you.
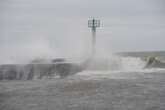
(143, 54)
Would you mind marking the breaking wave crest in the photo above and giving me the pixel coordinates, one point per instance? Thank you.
(117, 63)
(118, 67)
(132, 63)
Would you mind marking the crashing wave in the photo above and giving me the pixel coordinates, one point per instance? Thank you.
(154, 62)
(61, 67)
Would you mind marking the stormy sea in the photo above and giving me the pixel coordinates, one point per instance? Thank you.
(124, 81)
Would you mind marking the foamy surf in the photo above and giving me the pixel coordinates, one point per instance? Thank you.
(99, 75)
(118, 67)
(117, 63)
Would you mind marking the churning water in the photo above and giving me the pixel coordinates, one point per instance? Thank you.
(117, 67)
(117, 63)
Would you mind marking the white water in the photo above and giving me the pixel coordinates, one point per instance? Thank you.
(117, 63)
(132, 63)
(117, 67)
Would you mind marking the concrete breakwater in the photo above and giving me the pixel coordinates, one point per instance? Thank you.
(63, 68)
(31, 71)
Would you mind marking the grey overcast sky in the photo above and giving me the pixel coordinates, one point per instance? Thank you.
(58, 28)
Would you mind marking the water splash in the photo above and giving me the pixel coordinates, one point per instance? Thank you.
(116, 63)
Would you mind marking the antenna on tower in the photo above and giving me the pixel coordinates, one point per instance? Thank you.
(93, 24)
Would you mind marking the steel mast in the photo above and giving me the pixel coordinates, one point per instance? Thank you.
(93, 24)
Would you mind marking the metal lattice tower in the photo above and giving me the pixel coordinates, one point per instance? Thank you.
(93, 24)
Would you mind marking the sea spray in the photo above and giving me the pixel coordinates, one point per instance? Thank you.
(131, 63)
(114, 63)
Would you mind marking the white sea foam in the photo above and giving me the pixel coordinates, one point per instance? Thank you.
(117, 67)
(117, 63)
